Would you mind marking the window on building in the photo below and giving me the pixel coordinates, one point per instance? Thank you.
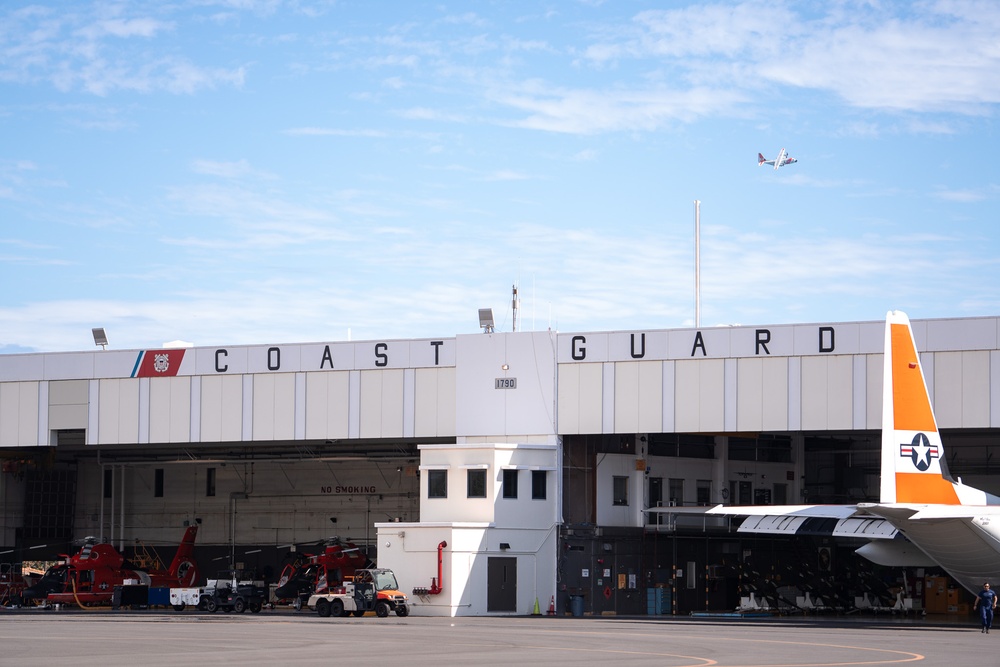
(780, 494)
(437, 483)
(655, 486)
(158, 483)
(476, 483)
(210, 482)
(109, 480)
(676, 492)
(703, 491)
(619, 491)
(539, 484)
(510, 484)
(655, 499)
(683, 445)
(768, 449)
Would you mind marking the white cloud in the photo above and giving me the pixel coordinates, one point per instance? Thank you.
(92, 48)
(965, 196)
(333, 132)
(592, 111)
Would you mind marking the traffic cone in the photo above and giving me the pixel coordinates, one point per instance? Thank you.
(537, 611)
(552, 606)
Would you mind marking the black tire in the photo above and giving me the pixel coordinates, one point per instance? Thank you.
(297, 604)
(358, 612)
(323, 607)
(178, 607)
(239, 605)
(381, 608)
(255, 606)
(336, 607)
(211, 606)
(402, 610)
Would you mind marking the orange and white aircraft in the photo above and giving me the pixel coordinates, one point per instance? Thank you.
(923, 517)
(780, 161)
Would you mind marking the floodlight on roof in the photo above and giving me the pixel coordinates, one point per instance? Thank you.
(100, 337)
(486, 319)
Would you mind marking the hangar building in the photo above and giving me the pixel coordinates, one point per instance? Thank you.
(531, 455)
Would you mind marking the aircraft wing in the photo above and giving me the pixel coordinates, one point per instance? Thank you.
(931, 512)
(780, 160)
(960, 538)
(824, 520)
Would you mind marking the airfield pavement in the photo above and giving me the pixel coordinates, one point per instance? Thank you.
(164, 637)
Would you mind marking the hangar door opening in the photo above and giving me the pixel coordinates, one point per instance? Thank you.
(501, 584)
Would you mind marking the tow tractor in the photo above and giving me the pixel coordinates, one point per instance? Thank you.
(370, 590)
(233, 593)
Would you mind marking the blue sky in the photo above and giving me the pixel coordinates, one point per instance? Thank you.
(260, 171)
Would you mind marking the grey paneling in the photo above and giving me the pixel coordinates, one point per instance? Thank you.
(827, 392)
(699, 390)
(434, 401)
(650, 399)
(626, 397)
(18, 414)
(873, 393)
(118, 413)
(954, 335)
(327, 402)
(762, 397)
(568, 398)
(961, 389)
(169, 409)
(580, 398)
(382, 404)
(274, 406)
(222, 408)
(68, 404)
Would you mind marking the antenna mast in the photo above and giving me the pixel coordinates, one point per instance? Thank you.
(513, 303)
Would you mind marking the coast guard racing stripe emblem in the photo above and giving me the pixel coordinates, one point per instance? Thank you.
(157, 363)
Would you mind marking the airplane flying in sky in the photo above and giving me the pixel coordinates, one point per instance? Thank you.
(780, 161)
(923, 517)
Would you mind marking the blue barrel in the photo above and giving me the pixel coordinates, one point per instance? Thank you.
(576, 605)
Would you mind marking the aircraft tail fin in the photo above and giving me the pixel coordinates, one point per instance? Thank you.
(760, 159)
(184, 567)
(914, 468)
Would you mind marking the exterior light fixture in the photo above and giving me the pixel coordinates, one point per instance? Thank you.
(100, 337)
(486, 319)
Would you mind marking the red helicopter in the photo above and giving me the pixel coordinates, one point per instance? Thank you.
(317, 573)
(90, 576)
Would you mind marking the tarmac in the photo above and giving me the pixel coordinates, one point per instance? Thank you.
(164, 637)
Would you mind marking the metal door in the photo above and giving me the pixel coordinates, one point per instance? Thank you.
(501, 585)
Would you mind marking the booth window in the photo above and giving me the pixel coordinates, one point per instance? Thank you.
(619, 491)
(476, 483)
(539, 484)
(210, 482)
(437, 483)
(510, 483)
(158, 483)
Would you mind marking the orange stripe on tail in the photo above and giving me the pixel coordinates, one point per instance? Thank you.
(917, 487)
(911, 406)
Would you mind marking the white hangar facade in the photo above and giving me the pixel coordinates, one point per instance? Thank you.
(530, 455)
